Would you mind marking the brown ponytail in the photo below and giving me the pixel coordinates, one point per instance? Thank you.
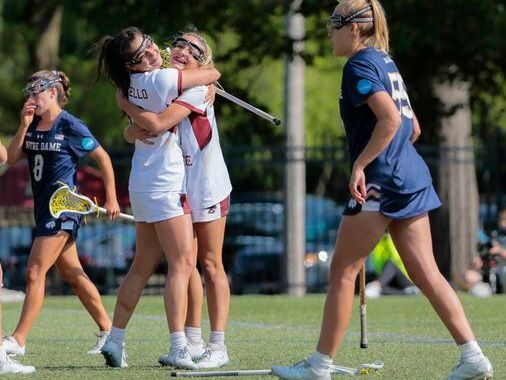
(113, 56)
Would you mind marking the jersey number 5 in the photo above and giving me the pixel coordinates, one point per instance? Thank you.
(38, 164)
(400, 96)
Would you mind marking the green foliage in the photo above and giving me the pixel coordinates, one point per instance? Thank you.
(430, 40)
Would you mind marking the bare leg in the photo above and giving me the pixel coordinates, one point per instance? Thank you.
(210, 242)
(72, 272)
(147, 256)
(45, 251)
(176, 239)
(356, 238)
(195, 299)
(413, 240)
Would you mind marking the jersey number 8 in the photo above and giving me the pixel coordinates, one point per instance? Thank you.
(38, 163)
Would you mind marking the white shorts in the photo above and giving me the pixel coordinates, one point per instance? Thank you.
(209, 214)
(156, 206)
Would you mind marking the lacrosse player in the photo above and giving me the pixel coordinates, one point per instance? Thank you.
(53, 141)
(207, 185)
(390, 187)
(157, 189)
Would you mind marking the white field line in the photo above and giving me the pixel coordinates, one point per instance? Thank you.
(378, 336)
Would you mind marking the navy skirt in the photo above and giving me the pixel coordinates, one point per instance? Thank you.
(395, 205)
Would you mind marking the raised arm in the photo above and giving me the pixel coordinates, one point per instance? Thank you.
(15, 148)
(153, 122)
(104, 163)
(198, 77)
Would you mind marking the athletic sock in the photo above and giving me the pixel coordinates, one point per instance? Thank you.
(193, 334)
(320, 362)
(470, 352)
(217, 337)
(177, 340)
(118, 335)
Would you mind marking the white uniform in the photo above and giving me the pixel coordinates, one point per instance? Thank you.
(208, 183)
(157, 178)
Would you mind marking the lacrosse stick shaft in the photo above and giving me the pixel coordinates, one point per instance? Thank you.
(252, 372)
(121, 215)
(363, 309)
(249, 107)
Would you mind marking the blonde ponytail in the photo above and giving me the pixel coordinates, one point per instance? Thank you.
(380, 39)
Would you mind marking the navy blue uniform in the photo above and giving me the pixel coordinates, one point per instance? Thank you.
(53, 156)
(398, 180)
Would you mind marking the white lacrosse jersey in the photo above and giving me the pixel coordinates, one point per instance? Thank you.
(157, 167)
(207, 179)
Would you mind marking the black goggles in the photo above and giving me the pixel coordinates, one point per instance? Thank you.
(40, 85)
(337, 21)
(138, 54)
(196, 51)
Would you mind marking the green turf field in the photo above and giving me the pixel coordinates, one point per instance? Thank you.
(404, 333)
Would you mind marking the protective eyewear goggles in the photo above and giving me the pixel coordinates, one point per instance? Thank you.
(38, 86)
(138, 54)
(196, 51)
(337, 21)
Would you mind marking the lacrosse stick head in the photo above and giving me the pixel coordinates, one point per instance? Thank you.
(365, 369)
(65, 200)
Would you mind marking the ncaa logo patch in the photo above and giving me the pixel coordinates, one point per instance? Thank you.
(364, 86)
(87, 143)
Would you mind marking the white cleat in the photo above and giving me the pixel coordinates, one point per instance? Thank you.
(215, 356)
(300, 371)
(180, 358)
(114, 354)
(481, 370)
(101, 338)
(9, 365)
(12, 347)
(196, 349)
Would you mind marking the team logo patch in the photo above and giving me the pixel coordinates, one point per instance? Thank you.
(364, 86)
(87, 143)
(352, 208)
(58, 136)
(50, 225)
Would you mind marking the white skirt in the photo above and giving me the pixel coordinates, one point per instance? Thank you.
(157, 206)
(214, 212)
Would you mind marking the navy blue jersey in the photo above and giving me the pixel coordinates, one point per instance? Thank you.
(52, 157)
(399, 168)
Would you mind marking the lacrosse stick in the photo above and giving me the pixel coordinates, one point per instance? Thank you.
(249, 107)
(66, 200)
(251, 372)
(362, 369)
(165, 54)
(363, 310)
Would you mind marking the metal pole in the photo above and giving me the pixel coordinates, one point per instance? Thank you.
(295, 169)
